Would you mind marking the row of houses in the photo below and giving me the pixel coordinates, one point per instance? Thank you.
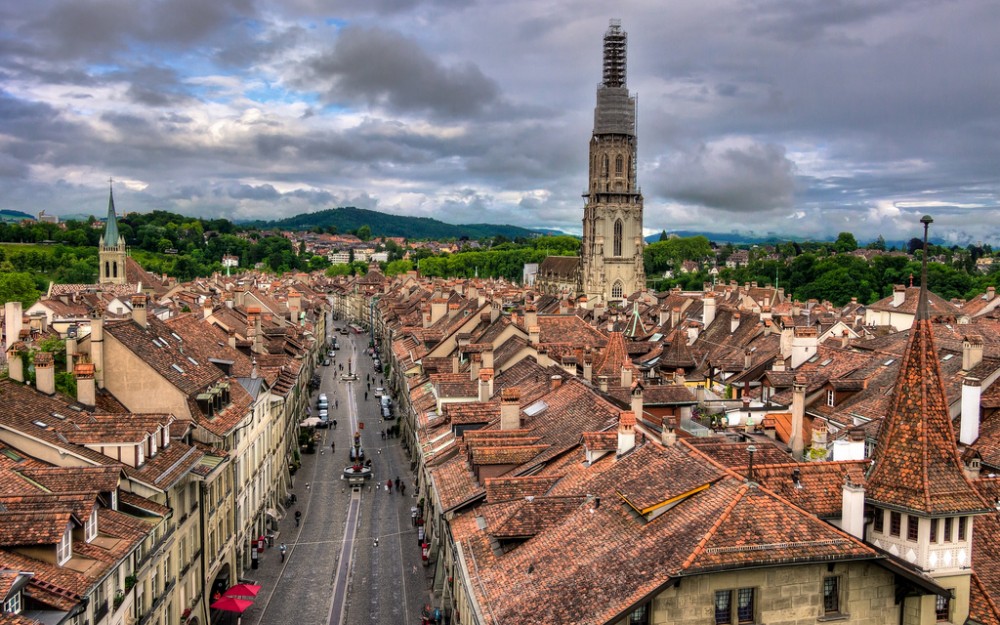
(726, 454)
(141, 464)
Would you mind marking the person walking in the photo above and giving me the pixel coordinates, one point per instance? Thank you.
(397, 482)
(402, 489)
(333, 447)
(298, 517)
(335, 424)
(388, 486)
(283, 549)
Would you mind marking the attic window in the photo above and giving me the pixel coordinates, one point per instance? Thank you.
(826, 362)
(948, 356)
(193, 361)
(61, 417)
(157, 342)
(889, 362)
(179, 339)
(40, 423)
(76, 407)
(814, 358)
(10, 453)
(177, 368)
(535, 408)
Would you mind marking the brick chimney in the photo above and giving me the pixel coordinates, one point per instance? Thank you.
(972, 392)
(45, 373)
(86, 390)
(626, 431)
(637, 400)
(797, 438)
(972, 351)
(668, 436)
(852, 517)
(97, 348)
(510, 408)
(485, 384)
(139, 309)
(15, 366)
(555, 381)
(13, 322)
(845, 339)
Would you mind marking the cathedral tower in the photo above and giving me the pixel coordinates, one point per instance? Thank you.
(611, 266)
(112, 251)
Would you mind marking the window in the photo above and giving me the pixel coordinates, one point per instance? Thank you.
(948, 522)
(830, 396)
(64, 549)
(639, 616)
(895, 521)
(831, 595)
(619, 165)
(879, 520)
(744, 601)
(90, 528)
(963, 525)
(912, 525)
(942, 608)
(617, 290)
(934, 530)
(618, 237)
(13, 605)
(604, 166)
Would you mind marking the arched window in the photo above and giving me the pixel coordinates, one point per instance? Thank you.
(114, 269)
(604, 166)
(107, 269)
(617, 289)
(619, 165)
(618, 237)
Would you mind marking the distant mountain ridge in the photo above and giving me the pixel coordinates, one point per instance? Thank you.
(12, 215)
(348, 219)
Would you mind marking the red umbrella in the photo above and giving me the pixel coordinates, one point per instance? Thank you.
(242, 590)
(231, 604)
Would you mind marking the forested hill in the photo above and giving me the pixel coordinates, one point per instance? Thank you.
(349, 219)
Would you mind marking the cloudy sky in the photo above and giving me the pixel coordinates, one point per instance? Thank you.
(798, 117)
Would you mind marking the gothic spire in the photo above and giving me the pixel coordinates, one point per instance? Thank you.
(916, 465)
(111, 236)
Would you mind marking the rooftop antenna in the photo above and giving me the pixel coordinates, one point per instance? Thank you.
(750, 450)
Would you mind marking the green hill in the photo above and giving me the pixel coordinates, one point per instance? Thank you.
(382, 224)
(12, 215)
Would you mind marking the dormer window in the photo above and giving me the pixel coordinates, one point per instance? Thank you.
(830, 397)
(90, 528)
(64, 548)
(13, 605)
(140, 456)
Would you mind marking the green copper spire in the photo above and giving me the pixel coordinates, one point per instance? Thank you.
(111, 235)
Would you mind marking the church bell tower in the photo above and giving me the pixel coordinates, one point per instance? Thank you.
(112, 251)
(611, 262)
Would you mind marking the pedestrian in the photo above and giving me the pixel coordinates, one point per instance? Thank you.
(397, 482)
(335, 424)
(336, 405)
(283, 549)
(383, 434)
(366, 396)
(388, 485)
(298, 517)
(402, 489)
(333, 447)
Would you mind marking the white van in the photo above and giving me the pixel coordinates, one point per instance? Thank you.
(323, 403)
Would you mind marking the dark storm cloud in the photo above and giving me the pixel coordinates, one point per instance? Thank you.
(251, 192)
(384, 68)
(738, 177)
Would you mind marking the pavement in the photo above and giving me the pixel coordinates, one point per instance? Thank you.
(383, 580)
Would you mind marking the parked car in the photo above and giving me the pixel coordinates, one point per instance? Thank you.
(326, 362)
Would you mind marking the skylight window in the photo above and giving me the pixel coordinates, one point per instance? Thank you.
(826, 362)
(535, 408)
(40, 423)
(889, 362)
(61, 417)
(193, 361)
(179, 339)
(948, 356)
(177, 368)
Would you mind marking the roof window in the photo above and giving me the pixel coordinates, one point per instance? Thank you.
(177, 368)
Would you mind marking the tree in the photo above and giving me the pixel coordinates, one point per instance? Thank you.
(18, 287)
(845, 243)
(877, 244)
(364, 232)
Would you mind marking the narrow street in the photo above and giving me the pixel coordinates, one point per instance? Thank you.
(354, 559)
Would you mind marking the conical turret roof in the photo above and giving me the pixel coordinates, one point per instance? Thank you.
(111, 236)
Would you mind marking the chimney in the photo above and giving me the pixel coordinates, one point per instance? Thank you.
(425, 314)
(626, 376)
(852, 517)
(675, 316)
(439, 308)
(45, 373)
(626, 431)
(734, 322)
(139, 309)
(86, 391)
(602, 383)
(475, 363)
(972, 391)
(855, 444)
(71, 350)
(455, 363)
(819, 433)
(485, 385)
(669, 434)
(991, 292)
(555, 381)
(294, 305)
(805, 342)
(708, 312)
(845, 339)
(487, 357)
(778, 364)
(797, 438)
(533, 332)
(240, 295)
(663, 316)
(207, 308)
(898, 295)
(588, 368)
(679, 378)
(530, 317)
(97, 348)
(510, 408)
(453, 308)
(972, 351)
(747, 359)
(637, 400)
(15, 364)
(13, 322)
